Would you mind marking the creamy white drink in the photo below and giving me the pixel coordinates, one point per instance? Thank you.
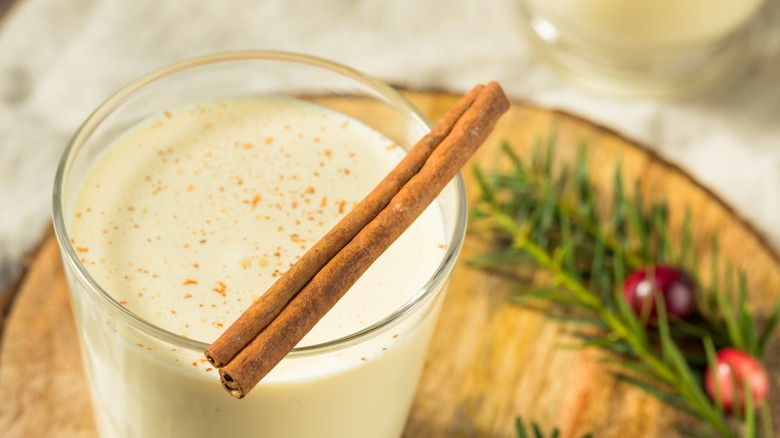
(658, 24)
(643, 47)
(189, 216)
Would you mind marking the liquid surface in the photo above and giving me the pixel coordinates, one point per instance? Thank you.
(658, 23)
(190, 216)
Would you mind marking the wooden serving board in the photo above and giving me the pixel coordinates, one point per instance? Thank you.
(490, 360)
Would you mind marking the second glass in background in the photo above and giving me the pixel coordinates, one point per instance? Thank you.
(643, 48)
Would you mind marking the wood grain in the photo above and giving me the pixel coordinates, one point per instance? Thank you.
(44, 394)
(490, 360)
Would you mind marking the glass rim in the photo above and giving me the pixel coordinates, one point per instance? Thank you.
(69, 255)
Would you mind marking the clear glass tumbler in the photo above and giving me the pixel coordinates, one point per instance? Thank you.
(149, 382)
(642, 48)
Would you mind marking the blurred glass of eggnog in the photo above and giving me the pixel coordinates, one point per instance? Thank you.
(642, 47)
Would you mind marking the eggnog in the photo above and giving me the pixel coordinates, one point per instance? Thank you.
(642, 47)
(188, 217)
(643, 25)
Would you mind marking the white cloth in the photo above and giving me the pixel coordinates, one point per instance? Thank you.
(60, 58)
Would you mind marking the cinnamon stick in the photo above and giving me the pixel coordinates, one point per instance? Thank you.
(338, 274)
(257, 316)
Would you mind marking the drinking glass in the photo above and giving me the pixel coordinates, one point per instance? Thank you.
(149, 382)
(642, 47)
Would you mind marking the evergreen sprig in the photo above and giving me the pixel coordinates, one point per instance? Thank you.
(535, 431)
(588, 240)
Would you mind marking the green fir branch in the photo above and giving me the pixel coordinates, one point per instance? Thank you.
(535, 431)
(554, 220)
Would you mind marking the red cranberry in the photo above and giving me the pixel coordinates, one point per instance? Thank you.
(677, 287)
(731, 371)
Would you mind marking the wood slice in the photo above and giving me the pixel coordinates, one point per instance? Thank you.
(43, 388)
(490, 360)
